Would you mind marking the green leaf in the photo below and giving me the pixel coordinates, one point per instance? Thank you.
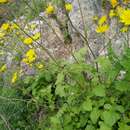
(90, 127)
(87, 105)
(60, 90)
(99, 91)
(119, 108)
(110, 117)
(80, 55)
(56, 123)
(103, 126)
(104, 63)
(125, 61)
(122, 86)
(94, 115)
(60, 85)
(68, 127)
(123, 126)
(60, 78)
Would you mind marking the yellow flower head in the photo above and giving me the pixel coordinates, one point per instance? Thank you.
(102, 20)
(50, 9)
(112, 13)
(33, 26)
(3, 1)
(14, 77)
(30, 56)
(36, 36)
(125, 17)
(40, 66)
(3, 68)
(68, 7)
(119, 10)
(114, 3)
(102, 28)
(28, 41)
(25, 60)
(5, 26)
(14, 26)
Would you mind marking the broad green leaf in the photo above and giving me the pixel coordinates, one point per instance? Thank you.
(67, 118)
(125, 61)
(104, 63)
(123, 126)
(60, 90)
(68, 127)
(94, 115)
(60, 78)
(90, 127)
(99, 91)
(80, 55)
(55, 122)
(103, 126)
(119, 108)
(60, 85)
(122, 86)
(110, 117)
(87, 105)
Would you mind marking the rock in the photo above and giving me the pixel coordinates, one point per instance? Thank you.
(97, 42)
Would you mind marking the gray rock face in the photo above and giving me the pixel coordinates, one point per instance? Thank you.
(89, 9)
(97, 42)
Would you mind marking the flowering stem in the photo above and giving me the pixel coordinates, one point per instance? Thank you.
(49, 25)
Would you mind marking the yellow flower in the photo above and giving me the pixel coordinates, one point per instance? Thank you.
(102, 20)
(112, 13)
(3, 1)
(114, 3)
(5, 26)
(33, 26)
(50, 9)
(40, 66)
(68, 7)
(124, 29)
(28, 41)
(36, 36)
(25, 60)
(3, 68)
(14, 26)
(102, 28)
(125, 17)
(119, 10)
(14, 77)
(30, 56)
